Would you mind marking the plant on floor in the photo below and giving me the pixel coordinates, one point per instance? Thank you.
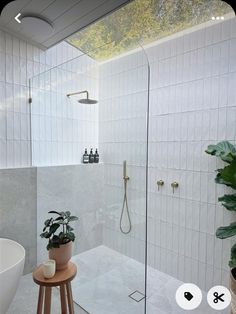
(52, 225)
(227, 176)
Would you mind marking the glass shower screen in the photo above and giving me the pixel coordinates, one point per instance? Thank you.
(109, 197)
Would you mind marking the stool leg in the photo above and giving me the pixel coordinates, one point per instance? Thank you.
(47, 303)
(63, 299)
(70, 298)
(40, 300)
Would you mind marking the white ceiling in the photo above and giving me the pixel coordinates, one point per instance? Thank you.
(66, 16)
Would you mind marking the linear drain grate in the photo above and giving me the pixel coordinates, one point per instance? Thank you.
(137, 296)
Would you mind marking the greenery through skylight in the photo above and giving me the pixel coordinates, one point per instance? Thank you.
(143, 21)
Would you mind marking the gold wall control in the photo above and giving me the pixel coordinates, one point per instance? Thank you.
(160, 183)
(125, 177)
(174, 186)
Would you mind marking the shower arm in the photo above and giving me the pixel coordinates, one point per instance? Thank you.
(77, 93)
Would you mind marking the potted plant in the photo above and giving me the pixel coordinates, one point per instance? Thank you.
(227, 176)
(60, 237)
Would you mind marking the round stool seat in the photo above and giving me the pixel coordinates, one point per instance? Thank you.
(62, 279)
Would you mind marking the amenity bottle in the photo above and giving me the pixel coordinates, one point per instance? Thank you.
(91, 156)
(85, 157)
(96, 156)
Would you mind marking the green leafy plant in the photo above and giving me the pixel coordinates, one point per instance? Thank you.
(227, 176)
(52, 225)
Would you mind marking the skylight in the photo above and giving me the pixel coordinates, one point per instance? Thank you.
(144, 21)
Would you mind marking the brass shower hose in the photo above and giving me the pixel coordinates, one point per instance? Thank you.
(125, 205)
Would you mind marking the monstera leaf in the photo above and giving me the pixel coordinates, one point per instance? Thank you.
(228, 201)
(227, 175)
(227, 231)
(232, 262)
(225, 150)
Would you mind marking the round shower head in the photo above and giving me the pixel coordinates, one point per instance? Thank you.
(87, 101)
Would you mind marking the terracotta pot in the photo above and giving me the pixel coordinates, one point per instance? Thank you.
(61, 255)
(233, 290)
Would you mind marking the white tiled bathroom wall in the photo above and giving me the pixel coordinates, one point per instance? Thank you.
(62, 127)
(192, 104)
(122, 136)
(18, 62)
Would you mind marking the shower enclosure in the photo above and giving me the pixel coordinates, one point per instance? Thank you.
(148, 210)
(109, 199)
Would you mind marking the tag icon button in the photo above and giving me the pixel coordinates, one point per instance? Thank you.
(188, 295)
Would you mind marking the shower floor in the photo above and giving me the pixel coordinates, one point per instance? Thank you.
(106, 279)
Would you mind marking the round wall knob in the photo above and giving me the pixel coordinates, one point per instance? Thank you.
(174, 185)
(160, 183)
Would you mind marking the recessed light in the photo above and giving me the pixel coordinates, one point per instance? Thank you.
(17, 18)
(217, 18)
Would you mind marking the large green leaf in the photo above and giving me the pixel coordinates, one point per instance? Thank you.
(45, 234)
(225, 150)
(55, 239)
(69, 228)
(228, 201)
(47, 222)
(59, 219)
(232, 262)
(54, 228)
(70, 236)
(72, 218)
(233, 251)
(54, 212)
(227, 175)
(49, 246)
(227, 231)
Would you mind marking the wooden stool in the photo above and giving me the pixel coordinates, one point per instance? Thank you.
(62, 279)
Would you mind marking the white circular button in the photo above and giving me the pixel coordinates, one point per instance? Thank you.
(188, 296)
(219, 298)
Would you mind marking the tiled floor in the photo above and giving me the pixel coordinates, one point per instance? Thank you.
(106, 278)
(25, 300)
(104, 282)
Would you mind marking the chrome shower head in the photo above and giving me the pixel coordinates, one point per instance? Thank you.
(86, 100)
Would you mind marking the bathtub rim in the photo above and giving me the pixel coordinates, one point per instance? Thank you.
(19, 261)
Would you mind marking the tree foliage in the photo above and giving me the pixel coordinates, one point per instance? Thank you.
(143, 21)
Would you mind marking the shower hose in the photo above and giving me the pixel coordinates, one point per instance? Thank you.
(125, 205)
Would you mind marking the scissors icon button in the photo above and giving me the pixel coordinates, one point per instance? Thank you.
(218, 297)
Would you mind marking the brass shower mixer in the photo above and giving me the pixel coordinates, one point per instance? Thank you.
(126, 178)
(160, 183)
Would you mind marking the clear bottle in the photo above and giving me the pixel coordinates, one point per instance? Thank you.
(96, 156)
(91, 157)
(85, 157)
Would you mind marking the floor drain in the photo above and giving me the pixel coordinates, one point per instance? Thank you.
(137, 296)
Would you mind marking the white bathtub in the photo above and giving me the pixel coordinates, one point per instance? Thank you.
(12, 259)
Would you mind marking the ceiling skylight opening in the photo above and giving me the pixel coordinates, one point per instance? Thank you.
(144, 21)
